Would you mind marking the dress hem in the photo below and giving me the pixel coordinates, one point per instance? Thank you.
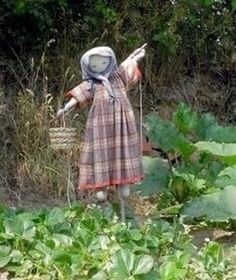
(112, 183)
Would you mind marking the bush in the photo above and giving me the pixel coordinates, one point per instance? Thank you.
(199, 30)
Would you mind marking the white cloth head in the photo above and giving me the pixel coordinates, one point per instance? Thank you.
(88, 74)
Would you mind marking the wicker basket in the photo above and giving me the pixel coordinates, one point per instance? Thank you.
(62, 138)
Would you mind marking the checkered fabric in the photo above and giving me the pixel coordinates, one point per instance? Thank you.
(110, 151)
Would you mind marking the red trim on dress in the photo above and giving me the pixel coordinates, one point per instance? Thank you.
(111, 183)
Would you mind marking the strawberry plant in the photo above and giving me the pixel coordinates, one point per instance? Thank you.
(88, 243)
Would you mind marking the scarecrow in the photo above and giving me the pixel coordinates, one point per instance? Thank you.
(110, 152)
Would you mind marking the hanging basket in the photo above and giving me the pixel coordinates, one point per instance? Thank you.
(62, 138)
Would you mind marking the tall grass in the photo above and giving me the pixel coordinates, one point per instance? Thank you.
(28, 162)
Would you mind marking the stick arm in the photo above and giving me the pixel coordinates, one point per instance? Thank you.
(69, 106)
(138, 53)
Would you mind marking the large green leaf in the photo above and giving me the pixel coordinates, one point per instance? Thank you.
(20, 226)
(62, 239)
(166, 136)
(143, 264)
(218, 206)
(156, 176)
(184, 119)
(227, 177)
(62, 257)
(135, 234)
(123, 264)
(13, 226)
(227, 152)
(4, 250)
(43, 249)
(16, 256)
(221, 134)
(55, 216)
(4, 261)
(208, 129)
(204, 126)
(4, 255)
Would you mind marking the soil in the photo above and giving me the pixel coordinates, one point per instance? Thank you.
(29, 199)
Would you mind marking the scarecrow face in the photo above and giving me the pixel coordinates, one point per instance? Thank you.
(99, 63)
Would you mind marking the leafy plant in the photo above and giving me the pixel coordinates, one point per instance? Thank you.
(167, 137)
(202, 180)
(175, 267)
(156, 179)
(82, 242)
(227, 152)
(212, 256)
(227, 177)
(217, 206)
(125, 265)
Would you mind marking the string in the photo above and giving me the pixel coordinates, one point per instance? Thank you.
(141, 115)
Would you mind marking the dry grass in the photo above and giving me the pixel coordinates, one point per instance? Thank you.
(27, 160)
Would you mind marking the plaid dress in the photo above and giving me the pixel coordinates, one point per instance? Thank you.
(110, 151)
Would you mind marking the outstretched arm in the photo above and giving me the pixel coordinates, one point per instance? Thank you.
(79, 96)
(138, 53)
(68, 106)
(128, 69)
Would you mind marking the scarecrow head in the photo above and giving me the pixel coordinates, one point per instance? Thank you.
(98, 62)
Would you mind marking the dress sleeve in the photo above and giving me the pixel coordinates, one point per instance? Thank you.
(82, 94)
(129, 72)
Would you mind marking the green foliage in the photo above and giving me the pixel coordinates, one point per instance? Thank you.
(126, 264)
(203, 167)
(227, 152)
(101, 14)
(184, 119)
(175, 266)
(185, 185)
(85, 243)
(194, 27)
(165, 135)
(218, 206)
(30, 22)
(204, 127)
(195, 30)
(212, 256)
(227, 177)
(156, 176)
(39, 11)
(208, 129)
(30, 6)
